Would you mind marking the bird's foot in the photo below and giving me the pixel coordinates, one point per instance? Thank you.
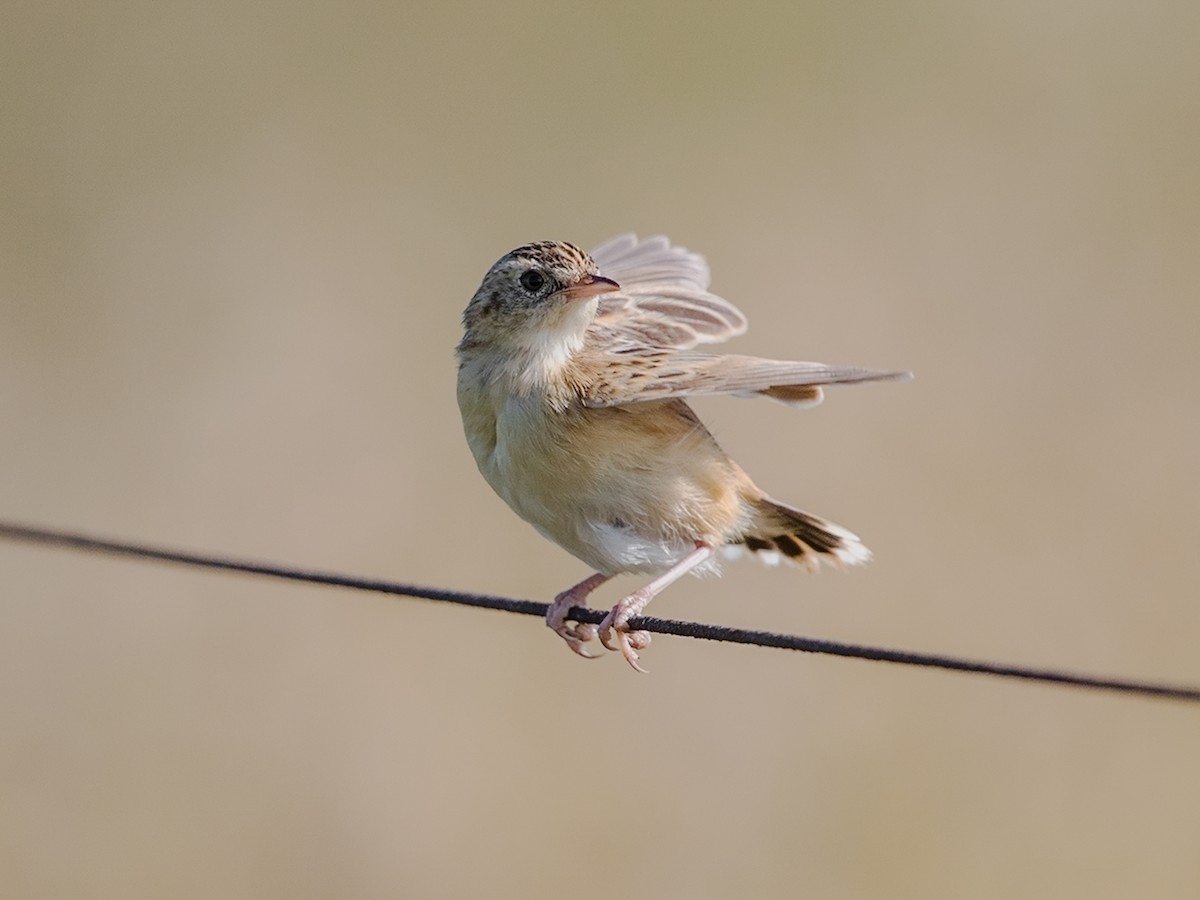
(576, 634)
(615, 634)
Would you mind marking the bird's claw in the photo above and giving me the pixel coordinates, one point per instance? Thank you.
(577, 637)
(614, 631)
(576, 634)
(615, 634)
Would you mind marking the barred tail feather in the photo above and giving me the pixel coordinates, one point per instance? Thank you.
(782, 532)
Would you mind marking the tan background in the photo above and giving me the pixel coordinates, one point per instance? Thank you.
(235, 245)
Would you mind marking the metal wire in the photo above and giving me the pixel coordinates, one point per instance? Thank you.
(76, 541)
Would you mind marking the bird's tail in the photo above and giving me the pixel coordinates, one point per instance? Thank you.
(781, 532)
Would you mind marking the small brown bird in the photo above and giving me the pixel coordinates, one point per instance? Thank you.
(573, 377)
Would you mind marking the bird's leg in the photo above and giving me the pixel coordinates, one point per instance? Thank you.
(556, 616)
(629, 642)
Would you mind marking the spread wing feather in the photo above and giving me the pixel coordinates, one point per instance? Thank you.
(664, 299)
(644, 333)
(633, 377)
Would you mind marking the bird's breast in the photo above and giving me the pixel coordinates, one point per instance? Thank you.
(622, 488)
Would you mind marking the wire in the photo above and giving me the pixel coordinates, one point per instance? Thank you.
(85, 543)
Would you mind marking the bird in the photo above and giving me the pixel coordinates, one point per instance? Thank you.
(574, 374)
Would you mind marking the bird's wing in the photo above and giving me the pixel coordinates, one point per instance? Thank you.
(664, 299)
(635, 376)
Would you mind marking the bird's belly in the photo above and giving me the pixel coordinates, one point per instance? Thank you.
(618, 492)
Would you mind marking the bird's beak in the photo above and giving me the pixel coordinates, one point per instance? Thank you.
(590, 286)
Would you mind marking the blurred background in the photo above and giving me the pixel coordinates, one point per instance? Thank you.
(235, 243)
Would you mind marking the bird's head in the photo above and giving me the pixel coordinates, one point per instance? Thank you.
(539, 298)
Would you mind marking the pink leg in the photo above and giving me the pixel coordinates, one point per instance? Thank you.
(629, 642)
(556, 616)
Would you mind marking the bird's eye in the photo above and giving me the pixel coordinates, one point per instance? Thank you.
(532, 281)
